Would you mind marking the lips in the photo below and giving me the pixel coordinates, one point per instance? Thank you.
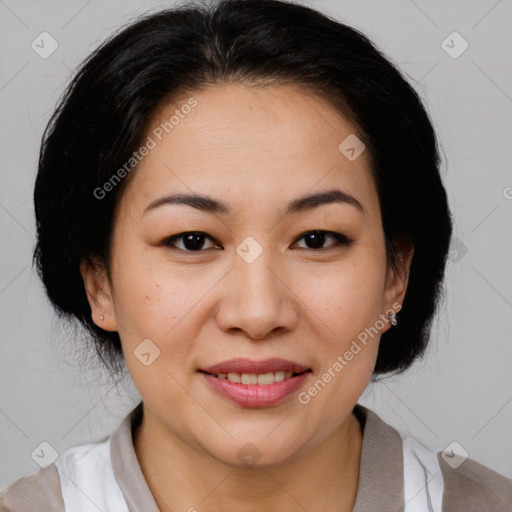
(247, 366)
(250, 383)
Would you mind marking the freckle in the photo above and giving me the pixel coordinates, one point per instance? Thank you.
(147, 297)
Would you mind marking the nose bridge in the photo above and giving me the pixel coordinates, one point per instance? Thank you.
(256, 299)
(257, 284)
(253, 269)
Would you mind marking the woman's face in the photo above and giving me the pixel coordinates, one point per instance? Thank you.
(255, 284)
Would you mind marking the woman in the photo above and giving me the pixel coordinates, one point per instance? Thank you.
(185, 182)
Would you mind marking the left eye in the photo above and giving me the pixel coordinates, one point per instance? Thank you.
(193, 241)
(317, 239)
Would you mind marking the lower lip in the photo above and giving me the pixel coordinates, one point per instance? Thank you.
(255, 395)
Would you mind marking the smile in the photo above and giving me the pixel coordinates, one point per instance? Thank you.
(249, 383)
(262, 379)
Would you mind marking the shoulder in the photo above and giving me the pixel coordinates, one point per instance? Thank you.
(83, 476)
(470, 485)
(454, 482)
(79, 476)
(431, 481)
(39, 491)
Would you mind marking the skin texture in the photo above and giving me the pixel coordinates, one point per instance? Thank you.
(256, 149)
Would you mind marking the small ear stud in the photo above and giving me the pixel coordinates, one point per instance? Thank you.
(102, 317)
(392, 318)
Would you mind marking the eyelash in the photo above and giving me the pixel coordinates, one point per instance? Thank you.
(341, 240)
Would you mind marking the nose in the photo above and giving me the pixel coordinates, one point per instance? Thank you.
(257, 299)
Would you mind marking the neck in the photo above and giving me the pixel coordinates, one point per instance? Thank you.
(182, 478)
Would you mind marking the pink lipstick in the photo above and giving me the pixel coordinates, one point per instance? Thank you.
(251, 383)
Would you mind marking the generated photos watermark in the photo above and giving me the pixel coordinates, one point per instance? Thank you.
(343, 360)
(151, 142)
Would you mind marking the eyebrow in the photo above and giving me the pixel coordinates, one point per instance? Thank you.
(301, 204)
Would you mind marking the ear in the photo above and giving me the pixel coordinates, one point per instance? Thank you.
(99, 293)
(398, 279)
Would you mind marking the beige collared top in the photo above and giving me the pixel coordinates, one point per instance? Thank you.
(397, 474)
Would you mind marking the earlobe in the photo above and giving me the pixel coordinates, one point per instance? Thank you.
(99, 294)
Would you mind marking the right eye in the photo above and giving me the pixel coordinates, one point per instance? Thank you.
(192, 241)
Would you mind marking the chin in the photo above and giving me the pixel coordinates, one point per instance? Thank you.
(255, 451)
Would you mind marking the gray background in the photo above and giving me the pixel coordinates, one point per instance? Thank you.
(461, 391)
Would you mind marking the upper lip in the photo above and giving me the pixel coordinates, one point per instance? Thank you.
(249, 366)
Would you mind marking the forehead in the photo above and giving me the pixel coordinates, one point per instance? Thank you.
(250, 145)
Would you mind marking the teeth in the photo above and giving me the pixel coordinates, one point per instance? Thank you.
(279, 376)
(249, 378)
(263, 379)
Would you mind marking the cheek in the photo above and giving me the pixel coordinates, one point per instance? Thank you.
(347, 298)
(152, 298)
(345, 305)
(155, 303)
(165, 305)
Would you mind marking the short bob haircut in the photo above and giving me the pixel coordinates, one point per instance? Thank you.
(104, 114)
